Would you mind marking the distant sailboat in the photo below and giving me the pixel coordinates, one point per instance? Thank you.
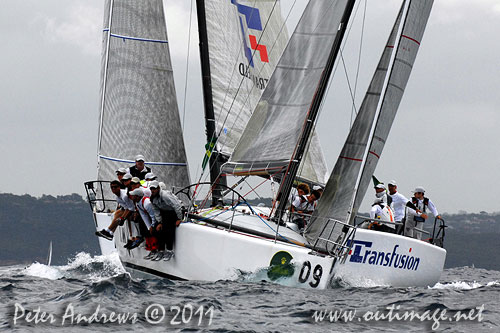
(49, 255)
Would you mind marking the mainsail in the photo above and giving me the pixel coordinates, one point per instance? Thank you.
(139, 113)
(355, 166)
(269, 140)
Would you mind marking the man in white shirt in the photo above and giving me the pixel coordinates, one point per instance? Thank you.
(124, 210)
(400, 204)
(423, 205)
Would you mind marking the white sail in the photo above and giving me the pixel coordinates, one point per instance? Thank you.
(371, 127)
(246, 40)
(139, 113)
(273, 131)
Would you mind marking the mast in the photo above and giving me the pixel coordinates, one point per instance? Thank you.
(215, 159)
(291, 172)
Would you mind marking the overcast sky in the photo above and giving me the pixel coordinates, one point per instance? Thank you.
(445, 136)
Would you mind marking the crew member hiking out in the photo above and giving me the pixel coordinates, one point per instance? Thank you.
(168, 213)
(123, 211)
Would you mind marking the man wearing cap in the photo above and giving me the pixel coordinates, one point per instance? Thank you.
(400, 204)
(127, 181)
(139, 170)
(168, 214)
(123, 211)
(380, 192)
(119, 174)
(423, 205)
(136, 183)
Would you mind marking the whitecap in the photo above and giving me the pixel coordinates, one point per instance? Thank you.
(44, 271)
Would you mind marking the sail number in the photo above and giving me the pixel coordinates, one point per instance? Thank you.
(305, 273)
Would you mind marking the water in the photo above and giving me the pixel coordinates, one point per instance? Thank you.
(98, 286)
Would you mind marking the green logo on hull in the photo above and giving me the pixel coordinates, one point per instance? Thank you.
(280, 266)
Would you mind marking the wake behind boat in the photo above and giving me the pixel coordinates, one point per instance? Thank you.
(277, 142)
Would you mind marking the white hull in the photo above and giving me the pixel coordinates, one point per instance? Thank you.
(102, 221)
(204, 252)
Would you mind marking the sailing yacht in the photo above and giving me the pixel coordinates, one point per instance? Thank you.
(260, 125)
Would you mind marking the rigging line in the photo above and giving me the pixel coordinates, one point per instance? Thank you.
(353, 110)
(347, 78)
(187, 67)
(253, 188)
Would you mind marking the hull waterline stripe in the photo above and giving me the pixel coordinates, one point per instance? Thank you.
(152, 271)
(149, 163)
(371, 152)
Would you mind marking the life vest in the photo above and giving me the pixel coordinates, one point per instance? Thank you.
(415, 202)
(139, 174)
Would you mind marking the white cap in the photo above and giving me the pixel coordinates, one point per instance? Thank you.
(127, 176)
(136, 180)
(317, 188)
(149, 175)
(154, 184)
(380, 186)
(139, 158)
(121, 170)
(393, 183)
(138, 191)
(419, 189)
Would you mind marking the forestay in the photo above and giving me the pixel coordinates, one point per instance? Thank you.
(350, 178)
(269, 139)
(139, 113)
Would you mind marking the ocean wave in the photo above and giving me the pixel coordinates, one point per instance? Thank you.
(82, 265)
(462, 285)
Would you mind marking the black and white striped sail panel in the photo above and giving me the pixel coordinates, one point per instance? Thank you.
(276, 124)
(139, 113)
(350, 177)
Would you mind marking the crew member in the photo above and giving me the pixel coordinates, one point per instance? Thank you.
(381, 211)
(399, 205)
(124, 210)
(139, 170)
(423, 205)
(168, 213)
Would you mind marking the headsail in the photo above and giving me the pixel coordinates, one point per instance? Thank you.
(270, 138)
(351, 175)
(139, 113)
